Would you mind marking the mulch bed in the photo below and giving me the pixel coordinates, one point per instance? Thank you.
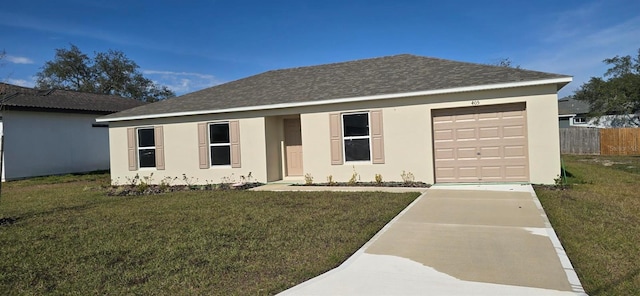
(128, 190)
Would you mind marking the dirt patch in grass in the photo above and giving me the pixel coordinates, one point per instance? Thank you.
(598, 223)
(73, 239)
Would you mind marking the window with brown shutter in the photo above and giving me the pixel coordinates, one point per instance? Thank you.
(377, 141)
(335, 138)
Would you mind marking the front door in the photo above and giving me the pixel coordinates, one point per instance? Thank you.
(293, 146)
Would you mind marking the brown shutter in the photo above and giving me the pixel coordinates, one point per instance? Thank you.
(158, 134)
(234, 139)
(377, 142)
(335, 127)
(133, 152)
(203, 146)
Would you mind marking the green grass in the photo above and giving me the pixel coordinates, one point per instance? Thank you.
(598, 221)
(69, 238)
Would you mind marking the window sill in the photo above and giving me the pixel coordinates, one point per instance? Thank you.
(147, 169)
(358, 162)
(220, 167)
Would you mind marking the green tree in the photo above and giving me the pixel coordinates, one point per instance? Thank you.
(108, 72)
(616, 93)
(505, 62)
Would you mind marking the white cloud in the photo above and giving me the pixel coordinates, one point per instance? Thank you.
(572, 45)
(18, 60)
(182, 82)
(21, 82)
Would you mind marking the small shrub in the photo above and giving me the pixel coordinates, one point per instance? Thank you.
(308, 179)
(330, 180)
(189, 181)
(354, 178)
(133, 181)
(407, 177)
(378, 179)
(165, 183)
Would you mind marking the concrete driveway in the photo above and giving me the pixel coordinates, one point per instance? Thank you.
(458, 240)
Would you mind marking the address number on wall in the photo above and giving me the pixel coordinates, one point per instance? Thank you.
(475, 103)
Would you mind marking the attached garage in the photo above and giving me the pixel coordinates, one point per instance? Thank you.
(481, 144)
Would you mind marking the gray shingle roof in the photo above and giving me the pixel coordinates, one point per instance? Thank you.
(376, 76)
(572, 106)
(13, 96)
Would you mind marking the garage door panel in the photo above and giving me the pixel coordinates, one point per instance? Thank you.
(516, 172)
(513, 131)
(443, 135)
(442, 119)
(491, 172)
(466, 153)
(490, 152)
(445, 154)
(515, 151)
(488, 116)
(446, 173)
(468, 172)
(466, 133)
(492, 132)
(513, 114)
(465, 117)
(488, 144)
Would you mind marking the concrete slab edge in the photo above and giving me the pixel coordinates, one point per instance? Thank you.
(280, 187)
(358, 253)
(572, 276)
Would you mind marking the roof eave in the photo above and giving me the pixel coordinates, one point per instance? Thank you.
(560, 82)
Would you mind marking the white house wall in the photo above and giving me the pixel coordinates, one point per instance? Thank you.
(46, 143)
(181, 153)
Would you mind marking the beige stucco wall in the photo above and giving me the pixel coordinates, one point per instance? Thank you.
(181, 152)
(407, 139)
(408, 134)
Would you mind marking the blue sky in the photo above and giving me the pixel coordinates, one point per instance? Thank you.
(190, 45)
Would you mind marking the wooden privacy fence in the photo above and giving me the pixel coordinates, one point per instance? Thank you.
(620, 141)
(607, 141)
(579, 141)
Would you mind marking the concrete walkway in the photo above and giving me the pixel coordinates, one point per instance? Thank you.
(458, 240)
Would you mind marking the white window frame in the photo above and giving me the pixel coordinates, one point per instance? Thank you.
(145, 148)
(218, 144)
(368, 137)
(579, 120)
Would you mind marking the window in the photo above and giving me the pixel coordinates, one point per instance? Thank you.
(146, 148)
(219, 144)
(356, 137)
(579, 120)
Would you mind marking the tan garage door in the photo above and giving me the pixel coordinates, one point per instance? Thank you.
(481, 144)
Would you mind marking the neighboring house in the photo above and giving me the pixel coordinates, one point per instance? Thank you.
(54, 131)
(440, 120)
(574, 113)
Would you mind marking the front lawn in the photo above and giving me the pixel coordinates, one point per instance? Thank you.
(598, 221)
(63, 235)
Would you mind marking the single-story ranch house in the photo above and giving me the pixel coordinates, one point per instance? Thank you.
(49, 132)
(440, 120)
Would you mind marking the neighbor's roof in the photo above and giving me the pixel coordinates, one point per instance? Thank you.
(572, 106)
(377, 78)
(17, 97)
